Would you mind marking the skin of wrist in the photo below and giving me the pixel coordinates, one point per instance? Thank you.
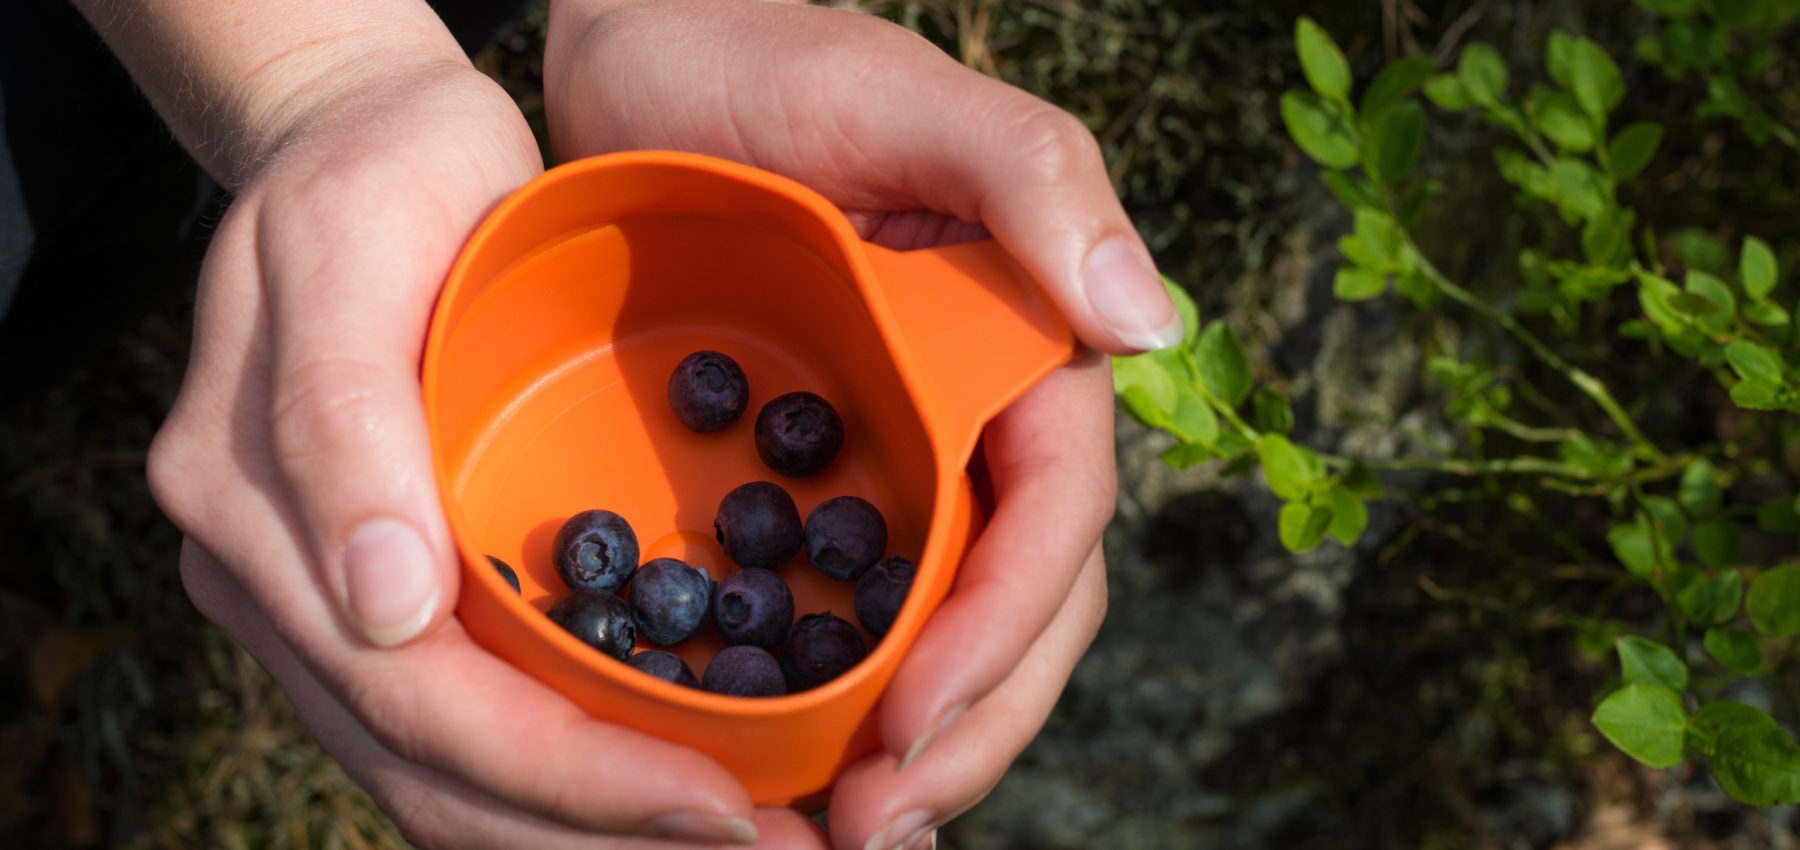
(418, 108)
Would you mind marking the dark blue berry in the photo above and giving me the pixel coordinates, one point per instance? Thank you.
(707, 391)
(819, 648)
(798, 434)
(666, 666)
(758, 525)
(744, 671)
(505, 572)
(753, 607)
(599, 619)
(880, 593)
(595, 550)
(845, 536)
(669, 600)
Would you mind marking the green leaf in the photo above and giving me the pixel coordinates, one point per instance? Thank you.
(1632, 149)
(1302, 526)
(1482, 73)
(1290, 477)
(1757, 764)
(1606, 242)
(1757, 265)
(1699, 492)
(1737, 649)
(1193, 420)
(1645, 662)
(1418, 287)
(1187, 454)
(1646, 722)
(1394, 82)
(1774, 602)
(1321, 60)
(1224, 369)
(1349, 516)
(1718, 540)
(1558, 116)
(1352, 190)
(1145, 387)
(1631, 543)
(1382, 237)
(1757, 395)
(1579, 188)
(1271, 412)
(1594, 79)
(1754, 362)
(1714, 718)
(1184, 307)
(1671, 523)
(1446, 90)
(1356, 283)
(1766, 313)
(1713, 602)
(1714, 290)
(1392, 146)
(1321, 128)
(1778, 516)
(1557, 57)
(1692, 304)
(1702, 250)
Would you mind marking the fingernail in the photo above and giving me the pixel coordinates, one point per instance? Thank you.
(931, 733)
(911, 825)
(926, 839)
(693, 826)
(1128, 296)
(390, 581)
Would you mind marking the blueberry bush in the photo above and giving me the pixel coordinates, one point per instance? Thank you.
(1679, 514)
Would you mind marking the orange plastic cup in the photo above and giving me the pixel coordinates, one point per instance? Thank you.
(545, 376)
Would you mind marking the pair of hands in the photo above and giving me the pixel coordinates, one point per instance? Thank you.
(296, 458)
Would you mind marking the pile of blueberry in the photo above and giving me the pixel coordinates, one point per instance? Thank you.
(768, 652)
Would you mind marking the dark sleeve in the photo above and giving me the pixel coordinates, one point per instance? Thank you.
(102, 214)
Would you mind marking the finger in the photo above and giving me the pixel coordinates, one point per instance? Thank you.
(896, 126)
(1033, 175)
(877, 806)
(348, 324)
(432, 809)
(1050, 459)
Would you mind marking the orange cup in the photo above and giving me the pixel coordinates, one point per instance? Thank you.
(545, 375)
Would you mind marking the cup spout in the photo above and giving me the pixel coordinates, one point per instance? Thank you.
(976, 328)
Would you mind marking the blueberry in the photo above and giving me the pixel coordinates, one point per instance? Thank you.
(819, 647)
(744, 671)
(707, 391)
(666, 666)
(505, 572)
(880, 592)
(599, 619)
(595, 550)
(753, 607)
(844, 536)
(798, 434)
(758, 525)
(670, 600)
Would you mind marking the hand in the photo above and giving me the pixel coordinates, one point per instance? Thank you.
(919, 151)
(297, 461)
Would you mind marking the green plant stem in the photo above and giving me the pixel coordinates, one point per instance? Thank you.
(1532, 434)
(1588, 384)
(1455, 466)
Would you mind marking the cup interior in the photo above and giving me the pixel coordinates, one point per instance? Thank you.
(548, 371)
